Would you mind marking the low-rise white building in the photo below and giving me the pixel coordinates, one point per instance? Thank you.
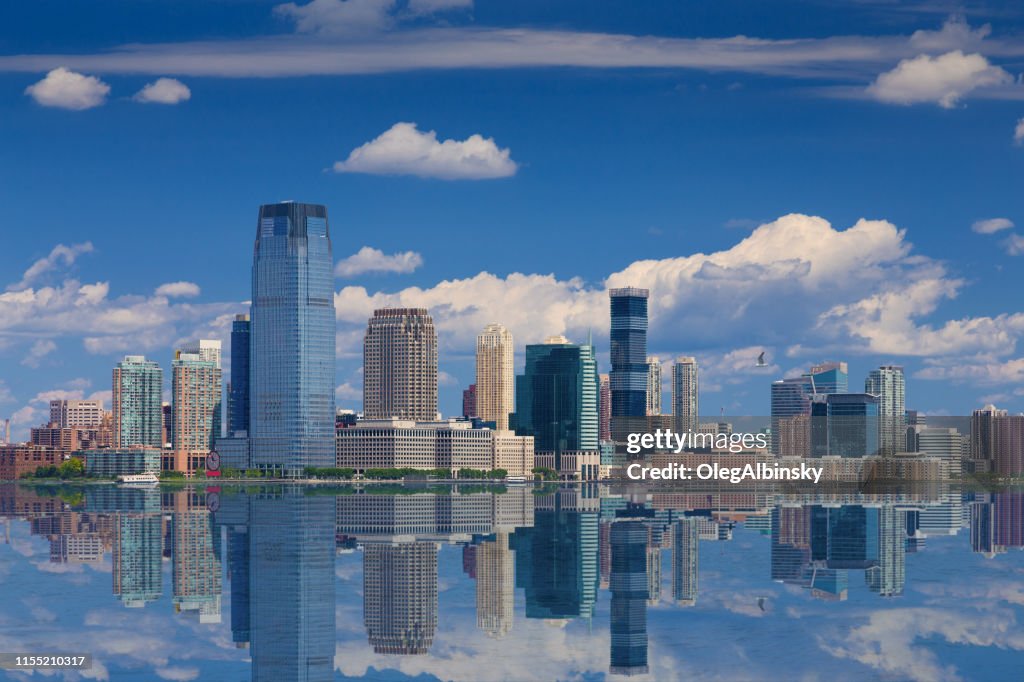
(451, 445)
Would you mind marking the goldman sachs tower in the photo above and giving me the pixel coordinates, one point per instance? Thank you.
(291, 370)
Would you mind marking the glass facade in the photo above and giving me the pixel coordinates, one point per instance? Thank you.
(845, 425)
(556, 398)
(238, 419)
(830, 377)
(628, 584)
(291, 370)
(629, 352)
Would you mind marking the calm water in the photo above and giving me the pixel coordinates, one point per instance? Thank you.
(393, 583)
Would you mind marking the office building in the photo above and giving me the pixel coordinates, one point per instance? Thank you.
(830, 377)
(684, 394)
(238, 416)
(604, 402)
(789, 398)
(556, 403)
(137, 392)
(653, 385)
(844, 425)
(628, 585)
(292, 342)
(400, 365)
(196, 408)
(887, 382)
(628, 339)
(449, 445)
(945, 444)
(66, 414)
(495, 376)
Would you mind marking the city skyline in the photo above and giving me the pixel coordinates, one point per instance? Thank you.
(722, 213)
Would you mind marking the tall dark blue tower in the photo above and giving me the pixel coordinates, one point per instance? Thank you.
(239, 417)
(629, 352)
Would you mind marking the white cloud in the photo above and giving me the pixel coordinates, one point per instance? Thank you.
(1018, 132)
(69, 90)
(367, 49)
(404, 150)
(178, 290)
(991, 225)
(889, 641)
(942, 80)
(956, 34)
(163, 91)
(348, 392)
(59, 255)
(419, 7)
(334, 17)
(1014, 244)
(177, 673)
(979, 370)
(39, 350)
(369, 259)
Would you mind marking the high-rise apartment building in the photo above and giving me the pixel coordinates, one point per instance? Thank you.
(400, 596)
(196, 408)
(495, 586)
(137, 391)
(887, 382)
(653, 385)
(556, 401)
(684, 394)
(76, 413)
(400, 365)
(629, 351)
(291, 363)
(684, 561)
(208, 350)
(238, 417)
(495, 377)
(469, 402)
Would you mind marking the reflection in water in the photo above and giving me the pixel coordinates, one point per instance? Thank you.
(272, 554)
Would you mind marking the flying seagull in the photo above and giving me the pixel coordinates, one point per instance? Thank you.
(761, 361)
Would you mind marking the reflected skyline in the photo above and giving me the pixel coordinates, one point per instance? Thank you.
(300, 583)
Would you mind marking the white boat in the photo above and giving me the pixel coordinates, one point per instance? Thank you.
(515, 479)
(145, 478)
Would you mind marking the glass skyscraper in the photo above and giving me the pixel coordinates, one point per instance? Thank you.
(291, 371)
(629, 352)
(830, 377)
(238, 418)
(556, 397)
(844, 425)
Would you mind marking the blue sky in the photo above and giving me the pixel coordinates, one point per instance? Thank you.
(619, 143)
